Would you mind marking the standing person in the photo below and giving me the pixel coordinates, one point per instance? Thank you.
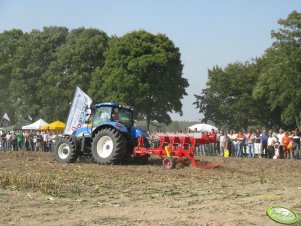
(257, 143)
(291, 147)
(240, 143)
(35, 141)
(296, 139)
(53, 139)
(14, 141)
(49, 141)
(271, 144)
(285, 142)
(30, 141)
(280, 135)
(222, 143)
(8, 141)
(26, 140)
(20, 139)
(234, 142)
(39, 141)
(45, 141)
(212, 136)
(207, 147)
(218, 134)
(3, 138)
(251, 139)
(227, 144)
(232, 137)
(264, 143)
(245, 144)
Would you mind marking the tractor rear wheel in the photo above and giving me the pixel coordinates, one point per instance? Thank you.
(109, 146)
(65, 150)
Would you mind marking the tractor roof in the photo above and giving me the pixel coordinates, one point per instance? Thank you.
(112, 104)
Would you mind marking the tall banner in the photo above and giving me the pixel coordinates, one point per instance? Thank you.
(77, 113)
(5, 120)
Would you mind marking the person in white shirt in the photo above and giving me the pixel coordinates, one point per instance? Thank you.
(280, 136)
(257, 143)
(270, 146)
(8, 141)
(222, 143)
(235, 142)
(251, 138)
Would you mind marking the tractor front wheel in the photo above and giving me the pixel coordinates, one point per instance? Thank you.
(65, 150)
(109, 146)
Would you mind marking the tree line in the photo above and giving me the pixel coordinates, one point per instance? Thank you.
(265, 91)
(40, 69)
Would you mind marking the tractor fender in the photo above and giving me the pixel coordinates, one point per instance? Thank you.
(119, 127)
(84, 131)
(135, 133)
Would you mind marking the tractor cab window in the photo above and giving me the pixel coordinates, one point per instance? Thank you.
(123, 116)
(102, 114)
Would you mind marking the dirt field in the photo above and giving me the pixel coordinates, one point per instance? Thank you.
(36, 190)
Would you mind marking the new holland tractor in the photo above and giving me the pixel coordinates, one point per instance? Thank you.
(110, 137)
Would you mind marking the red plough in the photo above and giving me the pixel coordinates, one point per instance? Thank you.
(176, 145)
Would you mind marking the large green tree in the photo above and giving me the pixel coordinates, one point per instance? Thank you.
(9, 42)
(280, 80)
(227, 101)
(36, 51)
(144, 71)
(80, 55)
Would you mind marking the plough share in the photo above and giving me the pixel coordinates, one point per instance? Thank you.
(179, 146)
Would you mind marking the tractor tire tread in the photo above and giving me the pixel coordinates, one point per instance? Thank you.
(119, 146)
(73, 152)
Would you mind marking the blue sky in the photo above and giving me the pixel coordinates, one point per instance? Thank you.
(208, 32)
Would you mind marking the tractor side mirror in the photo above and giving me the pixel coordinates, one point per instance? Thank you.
(88, 116)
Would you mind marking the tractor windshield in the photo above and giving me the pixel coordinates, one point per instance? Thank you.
(102, 114)
(107, 114)
(123, 116)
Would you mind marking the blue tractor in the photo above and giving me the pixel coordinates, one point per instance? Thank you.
(109, 137)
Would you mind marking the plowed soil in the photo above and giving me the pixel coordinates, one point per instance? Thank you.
(36, 190)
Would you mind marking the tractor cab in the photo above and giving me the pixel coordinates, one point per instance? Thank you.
(112, 112)
(118, 116)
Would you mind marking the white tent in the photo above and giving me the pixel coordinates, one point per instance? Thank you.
(36, 125)
(202, 128)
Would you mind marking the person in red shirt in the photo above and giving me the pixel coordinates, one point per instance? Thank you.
(212, 134)
(213, 146)
(240, 142)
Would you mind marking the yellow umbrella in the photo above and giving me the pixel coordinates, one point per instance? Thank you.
(57, 125)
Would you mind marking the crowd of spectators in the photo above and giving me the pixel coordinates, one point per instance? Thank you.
(258, 143)
(27, 140)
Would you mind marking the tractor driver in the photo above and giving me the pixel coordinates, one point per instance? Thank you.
(115, 115)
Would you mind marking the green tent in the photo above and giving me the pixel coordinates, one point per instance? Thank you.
(12, 128)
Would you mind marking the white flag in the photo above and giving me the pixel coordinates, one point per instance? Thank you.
(5, 116)
(77, 113)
